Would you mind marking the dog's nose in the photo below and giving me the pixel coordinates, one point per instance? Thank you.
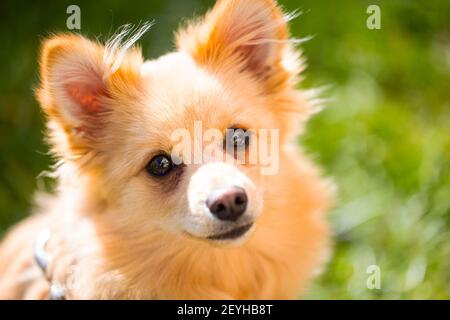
(228, 204)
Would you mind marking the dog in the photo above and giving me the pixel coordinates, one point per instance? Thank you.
(131, 218)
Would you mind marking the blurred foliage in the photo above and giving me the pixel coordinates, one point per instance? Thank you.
(384, 134)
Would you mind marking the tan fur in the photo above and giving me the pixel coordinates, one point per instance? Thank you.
(114, 233)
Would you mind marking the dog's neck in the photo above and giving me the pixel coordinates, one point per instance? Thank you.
(78, 191)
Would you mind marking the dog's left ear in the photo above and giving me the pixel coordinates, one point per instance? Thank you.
(249, 34)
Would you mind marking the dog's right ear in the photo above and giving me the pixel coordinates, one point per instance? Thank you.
(78, 90)
(72, 84)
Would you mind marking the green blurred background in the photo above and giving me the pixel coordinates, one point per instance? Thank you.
(384, 135)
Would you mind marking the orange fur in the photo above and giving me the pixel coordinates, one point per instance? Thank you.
(114, 232)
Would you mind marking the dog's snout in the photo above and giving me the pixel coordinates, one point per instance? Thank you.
(228, 204)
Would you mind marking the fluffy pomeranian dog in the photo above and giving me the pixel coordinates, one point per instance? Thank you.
(127, 221)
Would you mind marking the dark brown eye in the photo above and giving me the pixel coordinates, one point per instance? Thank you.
(237, 139)
(159, 166)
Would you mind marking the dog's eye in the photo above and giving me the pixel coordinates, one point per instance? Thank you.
(237, 142)
(237, 139)
(159, 166)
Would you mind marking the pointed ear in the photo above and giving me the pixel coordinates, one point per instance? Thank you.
(250, 33)
(78, 88)
(72, 79)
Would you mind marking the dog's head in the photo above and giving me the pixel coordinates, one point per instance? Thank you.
(167, 142)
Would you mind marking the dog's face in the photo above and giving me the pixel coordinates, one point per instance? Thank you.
(213, 199)
(162, 141)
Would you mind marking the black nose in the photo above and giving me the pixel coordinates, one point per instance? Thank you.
(228, 204)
